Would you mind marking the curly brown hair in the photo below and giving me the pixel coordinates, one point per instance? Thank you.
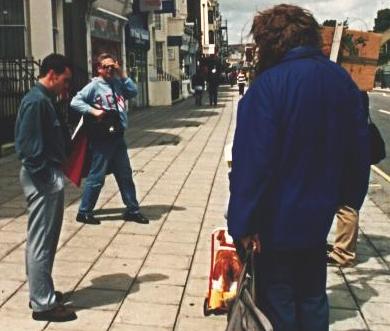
(281, 28)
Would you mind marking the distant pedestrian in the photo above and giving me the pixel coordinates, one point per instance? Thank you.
(40, 145)
(300, 150)
(233, 77)
(241, 80)
(212, 86)
(102, 102)
(198, 86)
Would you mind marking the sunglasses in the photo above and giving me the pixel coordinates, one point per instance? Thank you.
(109, 66)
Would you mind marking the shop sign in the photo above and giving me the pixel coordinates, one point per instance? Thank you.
(108, 28)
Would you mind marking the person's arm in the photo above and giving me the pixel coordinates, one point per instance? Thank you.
(255, 147)
(29, 139)
(83, 100)
(357, 168)
(128, 88)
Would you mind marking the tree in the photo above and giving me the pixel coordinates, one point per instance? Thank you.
(332, 23)
(382, 21)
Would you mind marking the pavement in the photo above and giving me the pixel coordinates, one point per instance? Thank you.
(126, 276)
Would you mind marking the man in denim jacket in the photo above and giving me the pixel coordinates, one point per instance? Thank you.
(98, 101)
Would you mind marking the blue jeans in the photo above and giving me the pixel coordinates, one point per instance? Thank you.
(291, 289)
(109, 154)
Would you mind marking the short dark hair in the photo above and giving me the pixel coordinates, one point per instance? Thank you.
(56, 62)
(104, 56)
(281, 28)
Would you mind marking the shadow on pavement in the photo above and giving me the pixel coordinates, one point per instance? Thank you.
(153, 212)
(108, 290)
(365, 280)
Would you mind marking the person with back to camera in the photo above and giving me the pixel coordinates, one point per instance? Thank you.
(300, 150)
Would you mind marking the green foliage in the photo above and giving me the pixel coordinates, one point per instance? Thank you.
(382, 21)
(331, 23)
(350, 45)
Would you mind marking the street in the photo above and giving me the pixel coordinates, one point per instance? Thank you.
(126, 276)
(380, 114)
(379, 190)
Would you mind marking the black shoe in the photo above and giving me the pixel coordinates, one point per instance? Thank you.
(135, 217)
(57, 314)
(59, 298)
(87, 219)
(329, 248)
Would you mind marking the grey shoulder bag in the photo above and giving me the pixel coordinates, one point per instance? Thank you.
(244, 314)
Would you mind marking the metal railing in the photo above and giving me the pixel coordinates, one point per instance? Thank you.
(157, 74)
(17, 76)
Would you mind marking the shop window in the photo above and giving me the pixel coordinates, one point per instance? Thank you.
(159, 57)
(12, 29)
(211, 37)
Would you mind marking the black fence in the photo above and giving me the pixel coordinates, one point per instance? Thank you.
(17, 76)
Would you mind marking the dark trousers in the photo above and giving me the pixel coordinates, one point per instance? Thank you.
(213, 95)
(291, 289)
(109, 154)
(241, 88)
(198, 97)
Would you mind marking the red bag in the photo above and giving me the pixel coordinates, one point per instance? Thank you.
(78, 163)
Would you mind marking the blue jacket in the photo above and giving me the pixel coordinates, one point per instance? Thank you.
(40, 142)
(300, 150)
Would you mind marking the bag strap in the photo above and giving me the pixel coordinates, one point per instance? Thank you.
(248, 271)
(114, 96)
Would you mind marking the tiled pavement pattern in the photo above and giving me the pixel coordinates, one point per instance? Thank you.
(126, 276)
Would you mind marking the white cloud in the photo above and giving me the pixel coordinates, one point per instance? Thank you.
(360, 13)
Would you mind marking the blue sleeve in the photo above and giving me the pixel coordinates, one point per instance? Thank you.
(255, 145)
(357, 168)
(128, 88)
(29, 138)
(83, 100)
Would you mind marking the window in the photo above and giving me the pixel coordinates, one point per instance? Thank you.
(211, 17)
(211, 37)
(159, 57)
(157, 21)
(12, 29)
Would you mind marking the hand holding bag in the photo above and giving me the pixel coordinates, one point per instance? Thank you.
(244, 315)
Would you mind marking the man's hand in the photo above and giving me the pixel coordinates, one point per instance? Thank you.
(98, 113)
(253, 241)
(121, 73)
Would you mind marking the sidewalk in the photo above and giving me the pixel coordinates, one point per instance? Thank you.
(126, 276)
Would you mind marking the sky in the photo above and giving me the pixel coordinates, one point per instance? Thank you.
(360, 13)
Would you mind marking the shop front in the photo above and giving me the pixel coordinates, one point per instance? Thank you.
(137, 46)
(107, 34)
